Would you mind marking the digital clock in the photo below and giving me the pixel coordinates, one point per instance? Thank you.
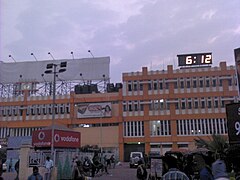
(194, 59)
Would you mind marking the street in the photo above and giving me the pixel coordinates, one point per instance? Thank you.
(122, 171)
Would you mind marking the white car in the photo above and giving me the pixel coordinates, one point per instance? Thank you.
(134, 158)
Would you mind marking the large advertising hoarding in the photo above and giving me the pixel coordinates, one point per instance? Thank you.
(233, 122)
(33, 71)
(237, 63)
(62, 138)
(91, 110)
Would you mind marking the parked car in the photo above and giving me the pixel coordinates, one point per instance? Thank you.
(134, 158)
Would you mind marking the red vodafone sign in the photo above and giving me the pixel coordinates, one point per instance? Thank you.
(62, 138)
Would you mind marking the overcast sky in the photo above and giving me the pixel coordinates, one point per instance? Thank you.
(134, 33)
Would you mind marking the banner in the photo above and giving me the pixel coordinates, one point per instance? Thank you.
(233, 122)
(91, 110)
(62, 138)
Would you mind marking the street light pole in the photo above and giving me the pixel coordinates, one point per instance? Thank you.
(53, 108)
(52, 69)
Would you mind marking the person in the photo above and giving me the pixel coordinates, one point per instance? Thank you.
(105, 163)
(17, 169)
(219, 170)
(96, 166)
(205, 172)
(10, 165)
(141, 171)
(112, 161)
(74, 163)
(78, 173)
(87, 165)
(48, 165)
(35, 175)
(1, 178)
(173, 173)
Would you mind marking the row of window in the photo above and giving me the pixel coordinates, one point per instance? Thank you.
(184, 127)
(6, 132)
(43, 109)
(184, 103)
(202, 126)
(181, 83)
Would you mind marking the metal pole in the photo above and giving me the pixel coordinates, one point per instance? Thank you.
(53, 109)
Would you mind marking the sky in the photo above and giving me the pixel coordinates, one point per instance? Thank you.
(134, 33)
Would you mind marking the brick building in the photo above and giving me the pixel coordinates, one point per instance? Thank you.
(152, 110)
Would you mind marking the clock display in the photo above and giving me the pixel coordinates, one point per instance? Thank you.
(194, 59)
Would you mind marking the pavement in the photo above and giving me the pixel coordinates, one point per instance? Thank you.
(120, 172)
(9, 175)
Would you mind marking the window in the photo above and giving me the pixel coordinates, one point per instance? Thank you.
(182, 84)
(129, 87)
(141, 86)
(220, 82)
(189, 105)
(129, 106)
(203, 104)
(175, 85)
(201, 83)
(194, 83)
(214, 83)
(183, 105)
(155, 85)
(196, 104)
(135, 86)
(166, 85)
(209, 104)
(216, 103)
(160, 85)
(188, 84)
(149, 85)
(207, 83)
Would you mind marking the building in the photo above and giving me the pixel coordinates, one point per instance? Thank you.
(150, 110)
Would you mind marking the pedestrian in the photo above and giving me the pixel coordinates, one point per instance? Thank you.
(142, 173)
(48, 165)
(205, 172)
(17, 169)
(173, 173)
(78, 173)
(112, 161)
(106, 163)
(35, 175)
(219, 169)
(10, 165)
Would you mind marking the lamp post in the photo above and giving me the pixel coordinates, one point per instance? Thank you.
(52, 69)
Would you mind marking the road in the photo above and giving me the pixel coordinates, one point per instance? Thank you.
(120, 172)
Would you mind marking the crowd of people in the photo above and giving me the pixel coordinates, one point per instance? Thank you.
(198, 166)
(90, 167)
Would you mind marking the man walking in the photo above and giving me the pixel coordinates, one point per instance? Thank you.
(48, 165)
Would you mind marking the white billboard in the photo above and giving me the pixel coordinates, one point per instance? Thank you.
(27, 71)
(91, 110)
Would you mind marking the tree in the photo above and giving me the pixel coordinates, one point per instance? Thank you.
(217, 144)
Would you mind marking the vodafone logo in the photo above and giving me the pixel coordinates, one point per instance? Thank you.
(56, 138)
(41, 135)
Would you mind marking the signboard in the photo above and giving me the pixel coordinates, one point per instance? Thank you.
(233, 122)
(62, 138)
(91, 110)
(237, 64)
(194, 59)
(31, 71)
